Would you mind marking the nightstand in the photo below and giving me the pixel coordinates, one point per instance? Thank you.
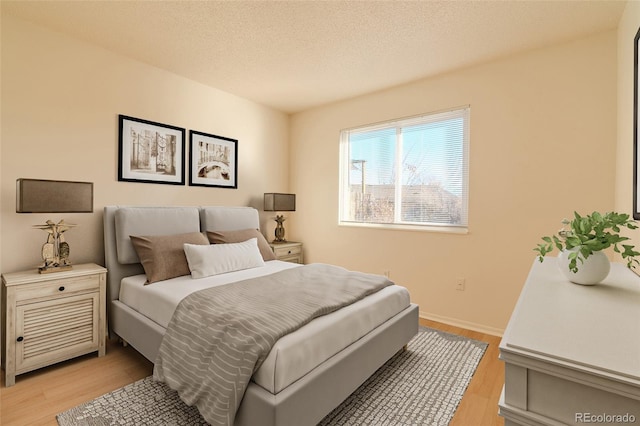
(53, 317)
(289, 251)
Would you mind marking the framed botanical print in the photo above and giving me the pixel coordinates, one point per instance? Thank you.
(150, 152)
(213, 160)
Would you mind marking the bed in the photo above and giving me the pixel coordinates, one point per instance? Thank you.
(308, 372)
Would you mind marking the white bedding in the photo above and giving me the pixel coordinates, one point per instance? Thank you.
(294, 355)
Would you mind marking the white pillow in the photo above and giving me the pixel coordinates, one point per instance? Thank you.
(214, 259)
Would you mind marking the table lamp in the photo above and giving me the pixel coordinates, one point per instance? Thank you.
(54, 196)
(275, 202)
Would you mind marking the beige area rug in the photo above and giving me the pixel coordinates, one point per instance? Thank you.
(420, 386)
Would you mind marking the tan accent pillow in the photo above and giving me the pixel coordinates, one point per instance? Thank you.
(225, 237)
(162, 256)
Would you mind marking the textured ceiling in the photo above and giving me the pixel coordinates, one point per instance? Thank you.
(296, 55)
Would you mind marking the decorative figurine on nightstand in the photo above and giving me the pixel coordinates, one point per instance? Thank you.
(279, 229)
(55, 252)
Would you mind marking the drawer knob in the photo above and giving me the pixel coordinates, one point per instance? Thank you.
(20, 339)
(61, 288)
(289, 252)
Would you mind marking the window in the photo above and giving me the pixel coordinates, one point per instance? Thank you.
(407, 172)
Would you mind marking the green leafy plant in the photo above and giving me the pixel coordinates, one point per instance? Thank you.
(589, 234)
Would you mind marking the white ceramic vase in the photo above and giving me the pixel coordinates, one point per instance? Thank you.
(592, 271)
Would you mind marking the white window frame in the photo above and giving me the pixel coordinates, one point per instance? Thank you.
(345, 164)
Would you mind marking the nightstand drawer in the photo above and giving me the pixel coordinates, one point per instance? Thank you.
(287, 251)
(61, 287)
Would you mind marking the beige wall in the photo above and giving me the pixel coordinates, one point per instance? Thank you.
(627, 29)
(543, 132)
(60, 103)
(540, 122)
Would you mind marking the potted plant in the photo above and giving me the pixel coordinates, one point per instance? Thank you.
(586, 237)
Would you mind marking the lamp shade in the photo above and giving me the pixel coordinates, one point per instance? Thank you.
(274, 202)
(53, 196)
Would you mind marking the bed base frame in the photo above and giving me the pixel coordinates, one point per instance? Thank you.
(305, 402)
(311, 398)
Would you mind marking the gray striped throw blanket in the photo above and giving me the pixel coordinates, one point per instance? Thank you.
(218, 337)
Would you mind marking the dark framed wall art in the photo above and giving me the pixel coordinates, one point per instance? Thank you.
(213, 160)
(150, 152)
(636, 152)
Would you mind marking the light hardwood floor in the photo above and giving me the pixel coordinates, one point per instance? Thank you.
(38, 396)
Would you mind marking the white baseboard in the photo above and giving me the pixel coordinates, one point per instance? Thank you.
(463, 324)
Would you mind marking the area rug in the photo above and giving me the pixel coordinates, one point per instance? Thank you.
(420, 386)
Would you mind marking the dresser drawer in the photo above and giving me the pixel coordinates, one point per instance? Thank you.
(60, 287)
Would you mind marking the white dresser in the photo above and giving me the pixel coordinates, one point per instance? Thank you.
(572, 352)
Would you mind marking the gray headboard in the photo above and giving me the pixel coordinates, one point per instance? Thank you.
(120, 222)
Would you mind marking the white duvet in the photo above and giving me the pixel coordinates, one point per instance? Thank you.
(294, 355)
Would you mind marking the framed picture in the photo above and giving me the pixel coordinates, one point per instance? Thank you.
(636, 153)
(213, 160)
(150, 152)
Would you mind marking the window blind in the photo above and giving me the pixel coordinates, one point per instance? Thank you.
(411, 171)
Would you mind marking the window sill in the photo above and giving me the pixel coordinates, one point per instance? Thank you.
(400, 227)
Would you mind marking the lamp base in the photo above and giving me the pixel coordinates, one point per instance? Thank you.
(52, 269)
(279, 230)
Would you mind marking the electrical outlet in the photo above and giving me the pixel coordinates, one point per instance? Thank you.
(460, 284)
(387, 273)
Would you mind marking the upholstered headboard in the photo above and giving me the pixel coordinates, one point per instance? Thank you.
(120, 222)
